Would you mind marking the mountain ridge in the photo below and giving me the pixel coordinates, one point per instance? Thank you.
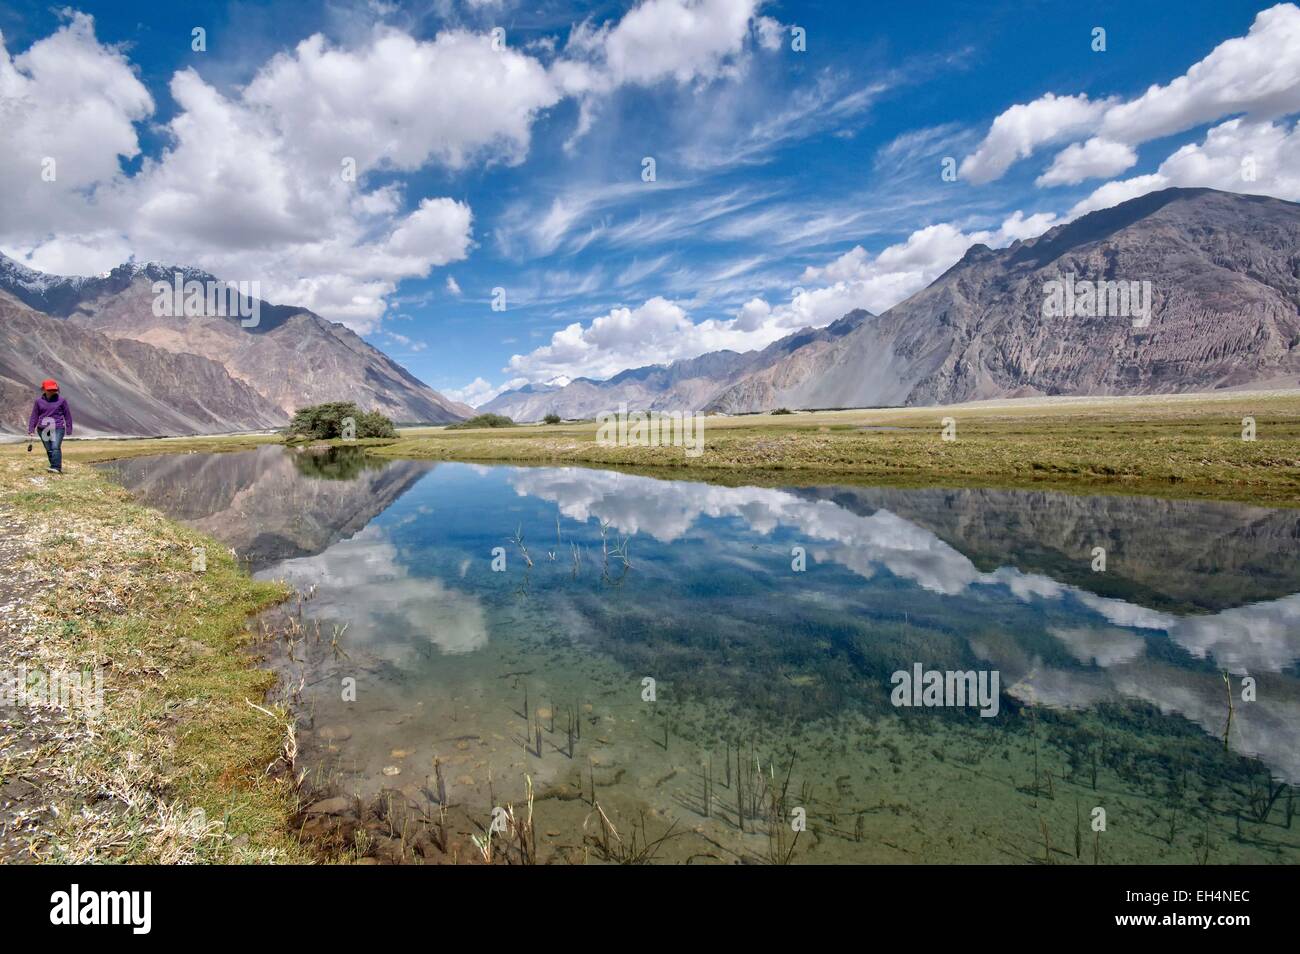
(291, 358)
(1224, 272)
(686, 384)
(121, 386)
(1225, 278)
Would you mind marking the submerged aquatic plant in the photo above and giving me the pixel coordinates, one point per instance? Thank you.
(638, 849)
(780, 846)
(1227, 728)
(518, 540)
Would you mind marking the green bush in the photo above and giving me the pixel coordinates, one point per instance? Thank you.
(324, 422)
(483, 420)
(551, 418)
(374, 424)
(783, 410)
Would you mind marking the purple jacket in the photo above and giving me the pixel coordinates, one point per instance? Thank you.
(56, 411)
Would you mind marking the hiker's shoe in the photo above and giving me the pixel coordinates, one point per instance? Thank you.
(53, 470)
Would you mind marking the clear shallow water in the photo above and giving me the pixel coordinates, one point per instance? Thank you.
(1112, 687)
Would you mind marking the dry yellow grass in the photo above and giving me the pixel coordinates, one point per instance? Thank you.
(174, 766)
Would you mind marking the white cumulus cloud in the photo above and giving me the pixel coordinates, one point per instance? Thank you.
(1256, 76)
(278, 180)
(1097, 158)
(1258, 158)
(1020, 130)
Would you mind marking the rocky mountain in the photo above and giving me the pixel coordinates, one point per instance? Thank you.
(290, 358)
(685, 385)
(680, 385)
(1224, 280)
(121, 386)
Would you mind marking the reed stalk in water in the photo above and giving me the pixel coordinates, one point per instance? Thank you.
(522, 830)
(442, 784)
(1033, 729)
(518, 541)
(780, 851)
(740, 792)
(1227, 728)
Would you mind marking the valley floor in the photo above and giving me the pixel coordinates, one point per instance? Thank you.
(184, 762)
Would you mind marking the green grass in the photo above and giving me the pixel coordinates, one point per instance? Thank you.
(177, 732)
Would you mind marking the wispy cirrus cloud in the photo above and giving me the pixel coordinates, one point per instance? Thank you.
(660, 330)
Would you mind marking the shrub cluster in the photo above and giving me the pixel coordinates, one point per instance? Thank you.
(483, 420)
(323, 422)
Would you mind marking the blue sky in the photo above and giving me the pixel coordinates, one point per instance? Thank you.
(790, 186)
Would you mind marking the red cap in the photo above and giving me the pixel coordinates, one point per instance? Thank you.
(49, 384)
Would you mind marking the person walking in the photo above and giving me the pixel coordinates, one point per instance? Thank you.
(54, 418)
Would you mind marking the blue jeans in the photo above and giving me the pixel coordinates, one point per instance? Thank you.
(53, 441)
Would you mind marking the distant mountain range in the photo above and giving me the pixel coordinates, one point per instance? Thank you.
(130, 371)
(1223, 272)
(1222, 269)
(689, 384)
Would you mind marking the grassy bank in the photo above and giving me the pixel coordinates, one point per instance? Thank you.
(1184, 446)
(175, 765)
